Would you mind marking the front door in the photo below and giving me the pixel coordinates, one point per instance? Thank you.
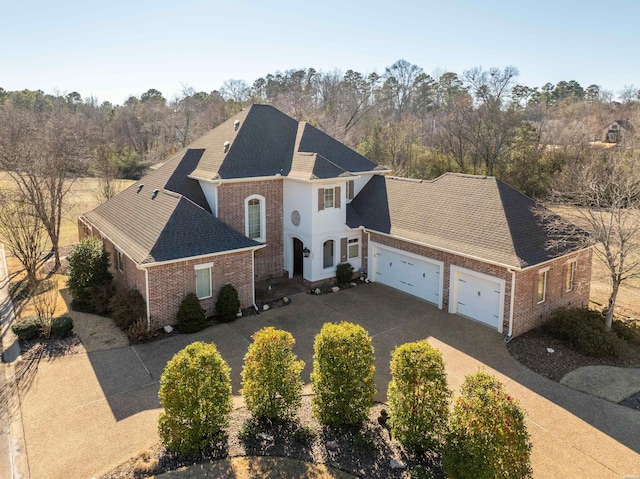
(297, 257)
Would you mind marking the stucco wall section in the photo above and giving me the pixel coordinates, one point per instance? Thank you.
(231, 210)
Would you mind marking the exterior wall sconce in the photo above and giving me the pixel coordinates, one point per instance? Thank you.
(306, 252)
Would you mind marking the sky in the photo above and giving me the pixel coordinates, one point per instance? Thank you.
(114, 49)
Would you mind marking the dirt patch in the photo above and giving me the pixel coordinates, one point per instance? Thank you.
(97, 333)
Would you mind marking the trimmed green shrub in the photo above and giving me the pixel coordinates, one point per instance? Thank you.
(89, 277)
(28, 327)
(343, 374)
(584, 330)
(127, 306)
(191, 316)
(344, 273)
(61, 327)
(271, 384)
(628, 330)
(418, 397)
(228, 304)
(195, 391)
(487, 435)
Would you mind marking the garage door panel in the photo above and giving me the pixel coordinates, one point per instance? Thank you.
(410, 275)
(478, 297)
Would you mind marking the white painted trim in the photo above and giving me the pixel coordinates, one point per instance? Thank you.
(146, 279)
(263, 217)
(373, 247)
(572, 265)
(237, 180)
(513, 301)
(209, 267)
(335, 242)
(192, 258)
(544, 271)
(359, 243)
(575, 253)
(203, 265)
(455, 271)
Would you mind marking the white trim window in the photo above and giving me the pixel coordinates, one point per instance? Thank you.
(255, 217)
(570, 278)
(329, 196)
(120, 260)
(203, 280)
(353, 248)
(541, 290)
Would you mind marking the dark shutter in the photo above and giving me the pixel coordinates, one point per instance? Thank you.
(320, 199)
(350, 186)
(336, 197)
(343, 250)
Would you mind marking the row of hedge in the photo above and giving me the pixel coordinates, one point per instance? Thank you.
(484, 436)
(32, 327)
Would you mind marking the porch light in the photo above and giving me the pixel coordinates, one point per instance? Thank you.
(306, 252)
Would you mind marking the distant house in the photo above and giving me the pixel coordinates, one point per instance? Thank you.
(616, 131)
(263, 195)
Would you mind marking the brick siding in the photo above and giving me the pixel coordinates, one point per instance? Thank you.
(527, 312)
(231, 210)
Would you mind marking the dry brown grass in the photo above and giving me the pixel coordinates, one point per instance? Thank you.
(80, 199)
(628, 301)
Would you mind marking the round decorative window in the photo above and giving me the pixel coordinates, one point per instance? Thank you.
(295, 218)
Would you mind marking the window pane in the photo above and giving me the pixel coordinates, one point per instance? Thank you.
(542, 283)
(353, 248)
(328, 197)
(571, 271)
(203, 282)
(254, 219)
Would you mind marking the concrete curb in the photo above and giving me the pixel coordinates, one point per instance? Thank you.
(13, 459)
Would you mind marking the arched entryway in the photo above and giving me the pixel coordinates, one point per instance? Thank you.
(298, 257)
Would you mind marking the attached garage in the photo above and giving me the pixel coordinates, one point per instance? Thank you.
(477, 296)
(412, 274)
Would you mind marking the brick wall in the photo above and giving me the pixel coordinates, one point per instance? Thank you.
(231, 210)
(527, 312)
(169, 284)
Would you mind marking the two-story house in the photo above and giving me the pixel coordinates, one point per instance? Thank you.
(263, 195)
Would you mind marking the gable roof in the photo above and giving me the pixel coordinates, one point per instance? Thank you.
(267, 142)
(173, 223)
(473, 215)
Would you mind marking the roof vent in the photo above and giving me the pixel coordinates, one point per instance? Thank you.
(140, 186)
(226, 146)
(155, 193)
(236, 125)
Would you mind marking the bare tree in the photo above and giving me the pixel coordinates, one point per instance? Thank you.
(46, 304)
(24, 234)
(41, 151)
(604, 192)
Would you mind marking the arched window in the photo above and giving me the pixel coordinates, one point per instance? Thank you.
(255, 218)
(327, 254)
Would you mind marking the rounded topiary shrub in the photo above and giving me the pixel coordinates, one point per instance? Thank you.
(271, 384)
(344, 273)
(487, 435)
(195, 391)
(343, 374)
(191, 316)
(28, 327)
(418, 397)
(228, 304)
(126, 307)
(61, 327)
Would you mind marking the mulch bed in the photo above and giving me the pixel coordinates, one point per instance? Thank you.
(530, 349)
(363, 452)
(42, 348)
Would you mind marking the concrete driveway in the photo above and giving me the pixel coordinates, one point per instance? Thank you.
(84, 414)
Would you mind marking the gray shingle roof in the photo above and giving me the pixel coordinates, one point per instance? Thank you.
(172, 224)
(268, 142)
(473, 215)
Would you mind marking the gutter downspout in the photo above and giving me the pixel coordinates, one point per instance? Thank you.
(146, 278)
(513, 300)
(253, 279)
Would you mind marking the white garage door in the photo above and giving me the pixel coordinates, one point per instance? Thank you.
(478, 297)
(408, 273)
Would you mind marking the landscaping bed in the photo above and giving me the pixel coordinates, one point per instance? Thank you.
(364, 452)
